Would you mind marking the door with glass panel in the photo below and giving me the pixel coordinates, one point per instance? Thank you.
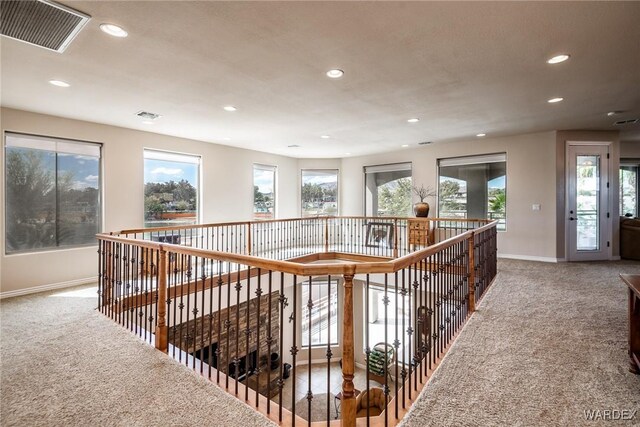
(588, 215)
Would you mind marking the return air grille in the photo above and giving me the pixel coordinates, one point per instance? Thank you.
(626, 122)
(41, 22)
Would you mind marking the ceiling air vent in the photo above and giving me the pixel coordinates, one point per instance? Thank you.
(147, 115)
(626, 122)
(41, 22)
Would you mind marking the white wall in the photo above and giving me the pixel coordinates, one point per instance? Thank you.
(227, 190)
(531, 174)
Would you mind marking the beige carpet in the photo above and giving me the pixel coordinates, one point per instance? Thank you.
(548, 342)
(63, 364)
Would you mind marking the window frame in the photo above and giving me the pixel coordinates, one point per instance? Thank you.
(100, 183)
(386, 167)
(630, 163)
(337, 174)
(320, 281)
(478, 159)
(274, 170)
(177, 154)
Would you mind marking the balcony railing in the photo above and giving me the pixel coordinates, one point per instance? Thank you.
(226, 300)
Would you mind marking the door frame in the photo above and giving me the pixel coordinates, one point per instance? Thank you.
(610, 179)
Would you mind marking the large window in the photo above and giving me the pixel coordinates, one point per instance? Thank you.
(629, 188)
(323, 324)
(319, 192)
(397, 315)
(264, 192)
(473, 187)
(388, 190)
(171, 183)
(52, 193)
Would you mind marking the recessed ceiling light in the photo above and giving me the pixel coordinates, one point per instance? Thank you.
(147, 122)
(404, 145)
(558, 59)
(554, 100)
(229, 108)
(59, 83)
(613, 113)
(113, 30)
(335, 73)
(414, 120)
(347, 154)
(325, 136)
(480, 135)
(226, 138)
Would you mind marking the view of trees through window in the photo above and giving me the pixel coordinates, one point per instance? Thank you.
(170, 189)
(473, 187)
(264, 194)
(388, 190)
(629, 190)
(52, 193)
(319, 192)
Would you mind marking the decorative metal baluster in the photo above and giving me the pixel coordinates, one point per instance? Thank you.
(415, 326)
(385, 388)
(236, 359)
(282, 304)
(410, 347)
(396, 341)
(203, 279)
(329, 353)
(154, 292)
(247, 334)
(219, 329)
(310, 312)
(367, 348)
(403, 371)
(269, 344)
(294, 347)
(258, 370)
(227, 325)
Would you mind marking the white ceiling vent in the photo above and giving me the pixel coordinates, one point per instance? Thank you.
(147, 115)
(626, 122)
(41, 23)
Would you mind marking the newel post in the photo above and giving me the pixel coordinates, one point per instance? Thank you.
(348, 417)
(161, 326)
(472, 272)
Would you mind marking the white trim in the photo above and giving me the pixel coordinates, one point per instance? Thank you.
(531, 258)
(48, 287)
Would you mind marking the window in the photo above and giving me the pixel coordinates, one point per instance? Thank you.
(629, 188)
(473, 187)
(319, 192)
(171, 183)
(264, 192)
(388, 190)
(397, 315)
(52, 193)
(324, 314)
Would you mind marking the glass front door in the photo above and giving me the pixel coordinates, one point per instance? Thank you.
(588, 214)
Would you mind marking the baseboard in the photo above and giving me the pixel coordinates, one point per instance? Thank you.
(48, 287)
(615, 258)
(530, 258)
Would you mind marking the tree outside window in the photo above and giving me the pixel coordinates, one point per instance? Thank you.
(52, 193)
(170, 189)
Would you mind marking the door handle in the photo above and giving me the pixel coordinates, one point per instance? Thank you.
(571, 218)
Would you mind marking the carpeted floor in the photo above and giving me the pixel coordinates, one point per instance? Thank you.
(64, 364)
(548, 342)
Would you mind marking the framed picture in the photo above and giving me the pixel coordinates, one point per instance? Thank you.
(379, 235)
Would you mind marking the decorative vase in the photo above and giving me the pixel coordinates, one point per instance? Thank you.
(421, 209)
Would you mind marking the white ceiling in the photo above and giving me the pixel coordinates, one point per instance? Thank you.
(461, 67)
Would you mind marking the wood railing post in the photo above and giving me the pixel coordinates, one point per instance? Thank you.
(348, 410)
(161, 326)
(472, 273)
